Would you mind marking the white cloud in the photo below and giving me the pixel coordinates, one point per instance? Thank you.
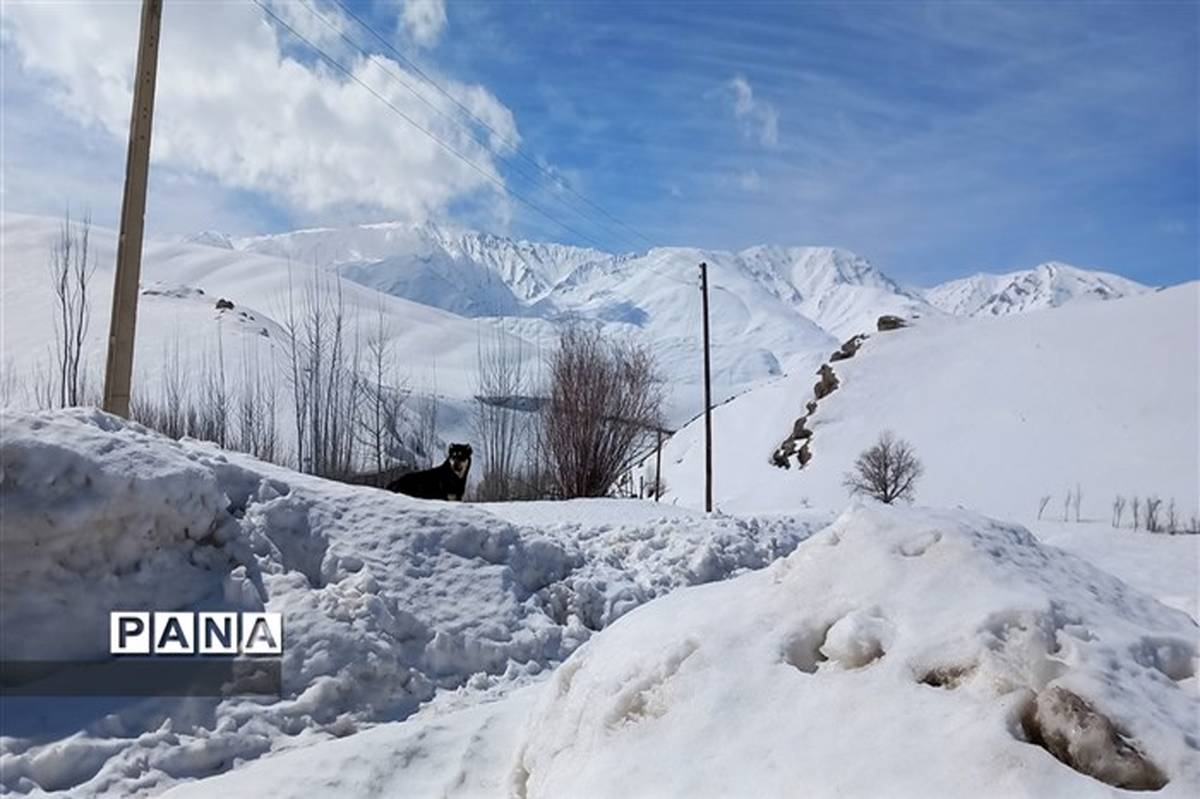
(758, 118)
(259, 112)
(424, 20)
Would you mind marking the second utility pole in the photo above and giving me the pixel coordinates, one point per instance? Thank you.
(708, 504)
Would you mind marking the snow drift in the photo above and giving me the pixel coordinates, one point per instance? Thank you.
(386, 600)
(896, 653)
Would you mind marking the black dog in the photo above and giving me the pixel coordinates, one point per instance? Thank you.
(448, 481)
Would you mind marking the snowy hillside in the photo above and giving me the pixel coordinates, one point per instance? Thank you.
(1002, 411)
(1048, 285)
(386, 600)
(182, 282)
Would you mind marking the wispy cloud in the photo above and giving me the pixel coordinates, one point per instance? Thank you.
(759, 120)
(424, 20)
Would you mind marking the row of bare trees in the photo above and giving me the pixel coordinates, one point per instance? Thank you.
(571, 431)
(1151, 514)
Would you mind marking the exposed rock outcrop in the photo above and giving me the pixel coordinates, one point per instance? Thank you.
(889, 322)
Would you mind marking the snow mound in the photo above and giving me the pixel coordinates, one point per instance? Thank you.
(385, 600)
(898, 653)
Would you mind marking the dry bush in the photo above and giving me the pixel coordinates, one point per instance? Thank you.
(887, 471)
(604, 398)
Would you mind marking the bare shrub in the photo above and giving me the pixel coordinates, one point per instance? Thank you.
(71, 270)
(887, 471)
(604, 397)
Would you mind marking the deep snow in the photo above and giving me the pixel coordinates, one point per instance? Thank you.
(899, 652)
(386, 600)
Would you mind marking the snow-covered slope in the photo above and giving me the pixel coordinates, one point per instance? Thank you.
(386, 600)
(902, 653)
(1047, 285)
(1002, 411)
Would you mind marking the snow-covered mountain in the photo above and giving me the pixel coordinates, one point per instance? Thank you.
(1047, 285)
(773, 310)
(477, 274)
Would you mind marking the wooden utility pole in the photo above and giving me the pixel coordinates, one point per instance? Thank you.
(708, 502)
(657, 463)
(119, 367)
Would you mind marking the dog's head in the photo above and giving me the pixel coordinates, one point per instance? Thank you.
(459, 458)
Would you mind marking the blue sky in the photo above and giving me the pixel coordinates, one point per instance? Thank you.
(936, 139)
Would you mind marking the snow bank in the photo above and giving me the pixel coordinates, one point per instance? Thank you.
(896, 653)
(385, 600)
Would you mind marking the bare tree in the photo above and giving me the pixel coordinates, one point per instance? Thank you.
(604, 397)
(1153, 506)
(13, 392)
(1118, 511)
(1077, 499)
(257, 405)
(1172, 517)
(426, 410)
(71, 270)
(323, 375)
(381, 423)
(1067, 506)
(1042, 503)
(887, 471)
(500, 388)
(1136, 511)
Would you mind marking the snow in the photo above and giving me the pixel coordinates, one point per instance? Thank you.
(623, 647)
(1047, 285)
(1001, 411)
(893, 654)
(386, 600)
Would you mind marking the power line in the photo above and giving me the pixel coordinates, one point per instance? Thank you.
(449, 148)
(557, 180)
(480, 140)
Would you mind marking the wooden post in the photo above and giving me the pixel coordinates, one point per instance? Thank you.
(657, 464)
(119, 367)
(708, 475)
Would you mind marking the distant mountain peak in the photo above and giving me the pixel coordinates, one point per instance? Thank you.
(1047, 285)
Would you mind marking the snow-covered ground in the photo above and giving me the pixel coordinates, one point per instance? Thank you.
(386, 600)
(899, 652)
(1102, 397)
